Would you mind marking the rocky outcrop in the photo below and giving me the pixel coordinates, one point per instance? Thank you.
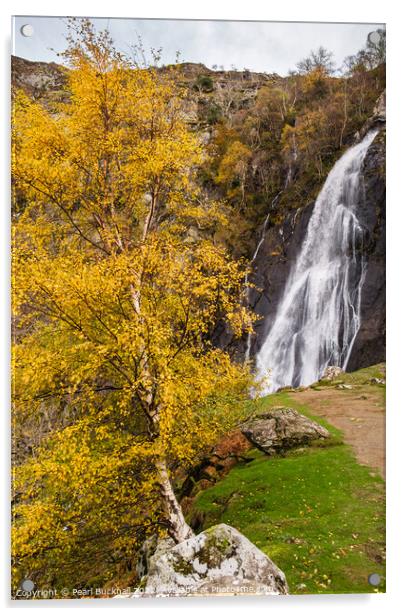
(40, 80)
(377, 119)
(218, 561)
(331, 373)
(230, 449)
(280, 429)
(379, 113)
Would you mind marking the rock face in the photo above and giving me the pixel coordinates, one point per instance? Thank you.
(219, 560)
(369, 347)
(379, 113)
(280, 429)
(377, 119)
(272, 266)
(40, 80)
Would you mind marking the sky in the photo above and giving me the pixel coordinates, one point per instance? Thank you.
(259, 46)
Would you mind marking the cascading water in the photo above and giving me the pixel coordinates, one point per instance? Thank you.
(318, 317)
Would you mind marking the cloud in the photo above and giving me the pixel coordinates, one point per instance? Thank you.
(259, 46)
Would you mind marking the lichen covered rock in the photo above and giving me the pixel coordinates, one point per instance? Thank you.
(218, 561)
(331, 373)
(280, 429)
(151, 547)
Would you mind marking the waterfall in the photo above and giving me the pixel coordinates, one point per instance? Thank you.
(318, 316)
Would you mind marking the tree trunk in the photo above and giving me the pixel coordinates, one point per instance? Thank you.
(179, 530)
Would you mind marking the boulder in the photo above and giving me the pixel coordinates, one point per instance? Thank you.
(151, 546)
(281, 428)
(218, 561)
(331, 373)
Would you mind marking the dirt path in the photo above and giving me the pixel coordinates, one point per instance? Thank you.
(359, 413)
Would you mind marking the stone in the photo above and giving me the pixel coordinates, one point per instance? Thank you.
(280, 429)
(331, 373)
(344, 386)
(376, 381)
(152, 545)
(219, 461)
(218, 561)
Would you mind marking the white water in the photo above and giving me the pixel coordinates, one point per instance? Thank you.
(318, 317)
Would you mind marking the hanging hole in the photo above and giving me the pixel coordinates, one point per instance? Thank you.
(374, 37)
(27, 30)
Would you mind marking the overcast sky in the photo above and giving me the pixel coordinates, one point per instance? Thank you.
(259, 46)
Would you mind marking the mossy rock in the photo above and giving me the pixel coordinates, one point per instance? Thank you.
(219, 560)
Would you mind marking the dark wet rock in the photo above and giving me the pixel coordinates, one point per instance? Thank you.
(272, 266)
(369, 346)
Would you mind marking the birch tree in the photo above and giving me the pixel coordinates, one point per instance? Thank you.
(115, 303)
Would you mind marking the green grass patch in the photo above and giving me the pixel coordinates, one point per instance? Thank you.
(360, 377)
(316, 512)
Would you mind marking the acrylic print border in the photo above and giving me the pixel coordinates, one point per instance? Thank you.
(104, 345)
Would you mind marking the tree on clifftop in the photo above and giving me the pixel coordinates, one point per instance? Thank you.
(115, 302)
(319, 60)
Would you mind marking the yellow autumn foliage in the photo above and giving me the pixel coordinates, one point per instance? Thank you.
(115, 304)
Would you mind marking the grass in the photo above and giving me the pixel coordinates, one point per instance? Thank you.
(316, 512)
(359, 378)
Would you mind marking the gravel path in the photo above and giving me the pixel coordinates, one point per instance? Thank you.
(359, 413)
